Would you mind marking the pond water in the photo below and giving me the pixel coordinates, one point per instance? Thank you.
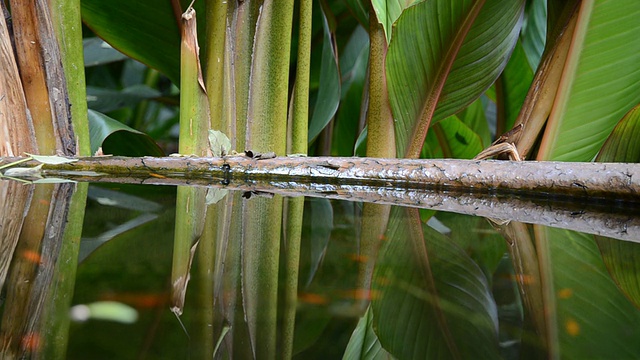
(156, 272)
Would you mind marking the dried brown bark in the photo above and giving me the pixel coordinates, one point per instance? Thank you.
(43, 81)
(16, 131)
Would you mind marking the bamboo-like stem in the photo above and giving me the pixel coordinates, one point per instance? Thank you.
(216, 13)
(241, 48)
(63, 283)
(381, 139)
(300, 107)
(294, 207)
(269, 88)
(380, 143)
(194, 126)
(68, 23)
(194, 106)
(266, 131)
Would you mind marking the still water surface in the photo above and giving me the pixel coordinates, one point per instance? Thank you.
(363, 280)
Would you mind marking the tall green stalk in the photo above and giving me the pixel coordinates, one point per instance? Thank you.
(266, 131)
(380, 143)
(294, 207)
(269, 88)
(215, 59)
(194, 126)
(68, 25)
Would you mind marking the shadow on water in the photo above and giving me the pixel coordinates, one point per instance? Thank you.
(313, 271)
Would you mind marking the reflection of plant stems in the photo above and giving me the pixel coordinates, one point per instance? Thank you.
(63, 282)
(548, 291)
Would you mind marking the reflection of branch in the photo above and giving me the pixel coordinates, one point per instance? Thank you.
(473, 187)
(575, 180)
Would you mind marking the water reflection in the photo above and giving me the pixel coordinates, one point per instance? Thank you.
(230, 278)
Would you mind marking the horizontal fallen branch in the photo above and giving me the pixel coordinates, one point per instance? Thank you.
(581, 214)
(610, 181)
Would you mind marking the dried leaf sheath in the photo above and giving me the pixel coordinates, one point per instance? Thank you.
(194, 109)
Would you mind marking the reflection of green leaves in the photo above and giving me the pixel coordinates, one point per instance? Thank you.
(464, 46)
(622, 259)
(429, 289)
(364, 343)
(321, 212)
(594, 318)
(215, 194)
(119, 139)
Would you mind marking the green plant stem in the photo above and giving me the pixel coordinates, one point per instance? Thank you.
(300, 108)
(63, 283)
(269, 89)
(194, 107)
(380, 142)
(216, 13)
(68, 24)
(244, 25)
(294, 207)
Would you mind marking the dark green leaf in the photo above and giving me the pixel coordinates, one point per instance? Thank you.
(534, 32)
(623, 145)
(106, 100)
(145, 30)
(353, 67)
(118, 139)
(329, 89)
(98, 52)
(456, 139)
(514, 84)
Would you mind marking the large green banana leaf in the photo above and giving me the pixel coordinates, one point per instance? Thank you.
(442, 56)
(600, 83)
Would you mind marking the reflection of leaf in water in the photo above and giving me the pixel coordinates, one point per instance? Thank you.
(121, 200)
(320, 218)
(431, 290)
(622, 259)
(364, 343)
(594, 319)
(214, 195)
